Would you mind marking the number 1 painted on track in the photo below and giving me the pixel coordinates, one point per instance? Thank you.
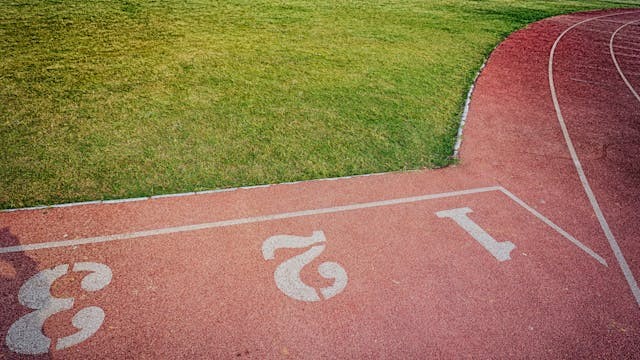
(500, 250)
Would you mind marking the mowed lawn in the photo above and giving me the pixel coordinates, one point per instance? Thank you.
(113, 99)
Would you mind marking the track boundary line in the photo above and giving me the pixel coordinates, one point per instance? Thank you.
(301, 213)
(622, 262)
(615, 60)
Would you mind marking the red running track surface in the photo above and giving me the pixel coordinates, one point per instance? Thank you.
(500, 256)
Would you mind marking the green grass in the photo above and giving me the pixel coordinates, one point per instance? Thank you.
(113, 99)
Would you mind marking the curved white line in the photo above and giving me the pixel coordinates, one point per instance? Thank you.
(615, 61)
(624, 266)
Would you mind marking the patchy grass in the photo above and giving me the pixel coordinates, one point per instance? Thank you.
(112, 99)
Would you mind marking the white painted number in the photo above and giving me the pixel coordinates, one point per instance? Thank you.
(500, 250)
(25, 336)
(287, 274)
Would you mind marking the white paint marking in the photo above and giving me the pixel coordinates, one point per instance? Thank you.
(500, 250)
(615, 60)
(555, 227)
(287, 274)
(241, 221)
(186, 228)
(87, 321)
(274, 243)
(581, 174)
(25, 336)
(99, 277)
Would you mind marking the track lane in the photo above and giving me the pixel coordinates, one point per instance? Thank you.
(615, 60)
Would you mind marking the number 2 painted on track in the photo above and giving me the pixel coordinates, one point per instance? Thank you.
(25, 336)
(287, 274)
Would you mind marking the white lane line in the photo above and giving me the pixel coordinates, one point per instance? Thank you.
(288, 215)
(624, 266)
(615, 60)
(249, 220)
(555, 227)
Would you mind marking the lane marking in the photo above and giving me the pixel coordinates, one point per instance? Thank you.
(615, 60)
(288, 215)
(624, 266)
(555, 227)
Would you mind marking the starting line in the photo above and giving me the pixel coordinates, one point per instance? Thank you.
(295, 214)
(27, 335)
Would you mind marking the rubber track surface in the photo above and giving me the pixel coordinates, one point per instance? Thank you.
(409, 265)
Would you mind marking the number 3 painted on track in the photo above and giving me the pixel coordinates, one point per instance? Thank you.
(25, 336)
(287, 274)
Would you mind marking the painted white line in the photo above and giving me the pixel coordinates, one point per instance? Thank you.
(555, 227)
(615, 60)
(179, 229)
(624, 266)
(186, 228)
(288, 215)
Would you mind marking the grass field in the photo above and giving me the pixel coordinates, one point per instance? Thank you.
(112, 99)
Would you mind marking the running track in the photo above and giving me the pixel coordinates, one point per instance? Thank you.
(528, 248)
